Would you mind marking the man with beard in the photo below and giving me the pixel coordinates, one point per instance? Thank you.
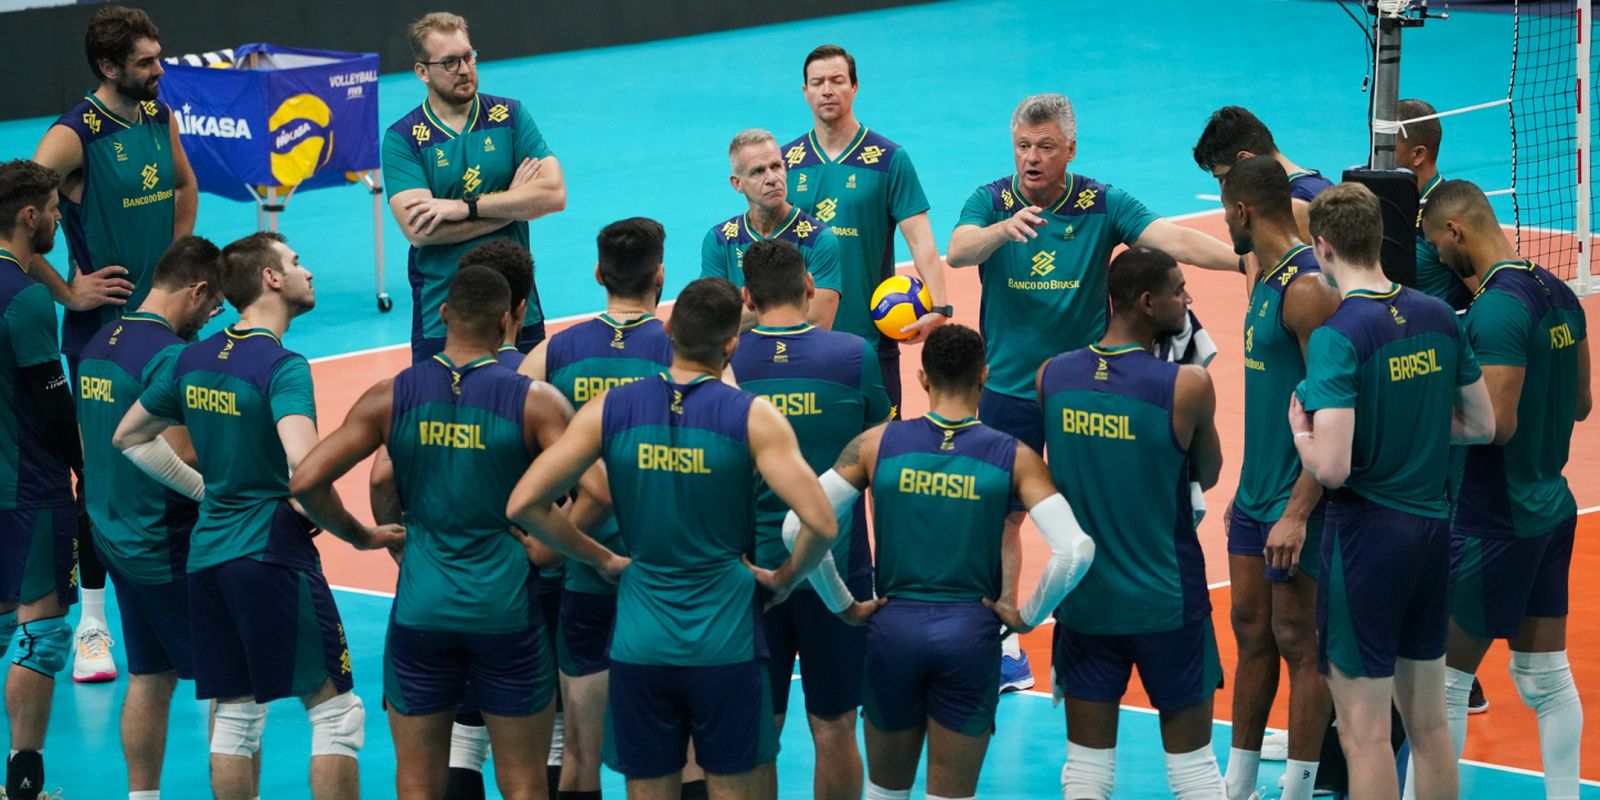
(127, 192)
(463, 168)
(39, 430)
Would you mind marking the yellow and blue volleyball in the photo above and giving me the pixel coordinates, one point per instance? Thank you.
(898, 302)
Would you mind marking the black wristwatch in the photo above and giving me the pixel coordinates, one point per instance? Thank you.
(471, 199)
(944, 310)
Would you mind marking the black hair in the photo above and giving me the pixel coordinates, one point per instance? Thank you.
(24, 184)
(508, 258)
(953, 358)
(704, 318)
(829, 51)
(1230, 130)
(630, 252)
(1260, 183)
(1135, 272)
(478, 297)
(242, 262)
(190, 260)
(774, 273)
(112, 33)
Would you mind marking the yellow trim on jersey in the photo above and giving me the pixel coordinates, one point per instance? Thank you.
(794, 214)
(146, 316)
(784, 331)
(235, 333)
(1524, 265)
(1283, 262)
(112, 115)
(472, 119)
(622, 326)
(7, 256)
(1016, 189)
(1371, 295)
(948, 425)
(1116, 351)
(861, 136)
(1301, 174)
(1433, 184)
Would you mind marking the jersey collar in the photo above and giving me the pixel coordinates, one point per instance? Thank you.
(146, 316)
(235, 333)
(1016, 189)
(472, 118)
(622, 326)
(7, 255)
(1293, 251)
(794, 214)
(861, 136)
(138, 110)
(1524, 265)
(1433, 184)
(783, 330)
(1394, 289)
(950, 425)
(1119, 350)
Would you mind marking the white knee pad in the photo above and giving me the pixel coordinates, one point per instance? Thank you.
(875, 792)
(236, 728)
(558, 741)
(469, 746)
(1089, 774)
(338, 726)
(1194, 775)
(1543, 679)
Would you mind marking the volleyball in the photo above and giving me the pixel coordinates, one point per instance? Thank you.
(898, 302)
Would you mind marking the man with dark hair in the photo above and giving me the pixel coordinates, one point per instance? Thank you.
(1113, 409)
(461, 428)
(515, 264)
(1416, 148)
(36, 515)
(463, 168)
(142, 528)
(863, 186)
(1511, 538)
(1233, 134)
(127, 192)
(682, 452)
(942, 486)
(827, 385)
(1390, 384)
(1274, 523)
(257, 595)
(759, 174)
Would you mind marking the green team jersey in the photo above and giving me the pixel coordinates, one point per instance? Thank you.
(583, 362)
(1396, 358)
(1433, 277)
(828, 385)
(861, 196)
(141, 527)
(722, 251)
(421, 152)
(1108, 416)
(31, 474)
(231, 390)
(1525, 317)
(1273, 366)
(456, 438)
(128, 207)
(1048, 295)
(941, 490)
(683, 485)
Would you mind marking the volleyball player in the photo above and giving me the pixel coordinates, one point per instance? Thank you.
(864, 187)
(463, 168)
(1233, 134)
(257, 595)
(682, 452)
(142, 528)
(515, 264)
(39, 427)
(128, 192)
(1390, 383)
(942, 486)
(1512, 536)
(759, 175)
(1416, 148)
(622, 345)
(1275, 521)
(827, 385)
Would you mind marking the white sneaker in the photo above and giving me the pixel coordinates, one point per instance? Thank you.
(1275, 746)
(93, 663)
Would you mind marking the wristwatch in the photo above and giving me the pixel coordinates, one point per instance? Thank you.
(471, 199)
(944, 310)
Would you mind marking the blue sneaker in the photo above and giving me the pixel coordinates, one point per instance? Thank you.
(1015, 674)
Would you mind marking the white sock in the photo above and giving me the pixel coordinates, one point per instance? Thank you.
(1194, 775)
(148, 794)
(1089, 772)
(469, 746)
(875, 792)
(1544, 680)
(92, 602)
(558, 741)
(1009, 646)
(1244, 768)
(1299, 779)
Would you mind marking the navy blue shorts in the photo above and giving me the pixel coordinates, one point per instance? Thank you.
(832, 655)
(584, 644)
(1178, 668)
(37, 554)
(655, 711)
(1019, 416)
(424, 348)
(889, 365)
(1247, 536)
(1495, 583)
(427, 671)
(1385, 592)
(265, 631)
(155, 624)
(938, 661)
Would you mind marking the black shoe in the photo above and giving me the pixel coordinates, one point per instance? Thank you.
(25, 775)
(1476, 702)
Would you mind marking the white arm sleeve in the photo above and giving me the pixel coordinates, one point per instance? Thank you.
(158, 460)
(825, 579)
(1197, 502)
(1071, 553)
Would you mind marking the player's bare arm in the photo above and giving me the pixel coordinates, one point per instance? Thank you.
(1189, 246)
(185, 188)
(918, 233)
(532, 505)
(1306, 305)
(61, 151)
(777, 455)
(546, 416)
(536, 189)
(971, 245)
(313, 473)
(1194, 422)
(1071, 549)
(533, 364)
(824, 307)
(1473, 419)
(139, 437)
(1505, 392)
(1324, 440)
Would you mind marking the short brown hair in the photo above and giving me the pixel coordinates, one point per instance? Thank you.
(24, 184)
(242, 262)
(112, 33)
(1350, 220)
(190, 260)
(440, 21)
(1428, 132)
(825, 52)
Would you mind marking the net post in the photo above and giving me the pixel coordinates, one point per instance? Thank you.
(1385, 84)
(1584, 90)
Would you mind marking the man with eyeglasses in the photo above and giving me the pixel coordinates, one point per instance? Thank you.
(462, 168)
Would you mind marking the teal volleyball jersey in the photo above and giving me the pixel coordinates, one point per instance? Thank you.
(230, 390)
(828, 385)
(861, 196)
(1273, 366)
(941, 490)
(1108, 418)
(421, 152)
(128, 208)
(31, 475)
(583, 362)
(722, 252)
(1433, 277)
(1396, 358)
(1525, 317)
(1048, 295)
(683, 487)
(456, 439)
(141, 527)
